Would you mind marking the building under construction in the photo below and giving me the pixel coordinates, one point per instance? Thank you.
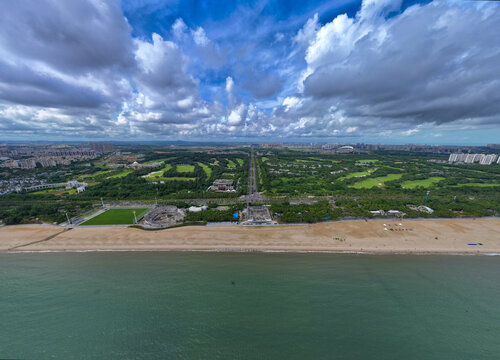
(257, 215)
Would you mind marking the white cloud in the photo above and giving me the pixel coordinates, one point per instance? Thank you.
(179, 28)
(199, 37)
(229, 85)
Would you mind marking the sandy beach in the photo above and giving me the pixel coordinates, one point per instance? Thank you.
(427, 236)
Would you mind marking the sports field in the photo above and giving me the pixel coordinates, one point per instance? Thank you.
(116, 217)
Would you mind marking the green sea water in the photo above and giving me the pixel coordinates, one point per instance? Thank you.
(168, 305)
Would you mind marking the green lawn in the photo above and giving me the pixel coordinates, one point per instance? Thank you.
(159, 160)
(93, 176)
(177, 179)
(324, 160)
(378, 181)
(366, 160)
(264, 158)
(173, 178)
(476, 184)
(412, 184)
(116, 217)
(119, 175)
(207, 169)
(230, 164)
(157, 175)
(357, 174)
(185, 168)
(240, 161)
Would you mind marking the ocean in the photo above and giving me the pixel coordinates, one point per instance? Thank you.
(193, 305)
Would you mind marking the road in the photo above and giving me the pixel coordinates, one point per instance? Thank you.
(253, 194)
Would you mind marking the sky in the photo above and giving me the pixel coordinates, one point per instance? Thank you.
(374, 71)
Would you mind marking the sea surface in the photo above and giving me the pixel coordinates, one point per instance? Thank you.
(191, 305)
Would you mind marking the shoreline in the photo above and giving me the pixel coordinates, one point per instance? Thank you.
(412, 237)
(254, 251)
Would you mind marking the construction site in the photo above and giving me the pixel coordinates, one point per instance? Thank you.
(257, 215)
(163, 216)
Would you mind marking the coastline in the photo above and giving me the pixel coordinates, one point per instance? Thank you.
(450, 236)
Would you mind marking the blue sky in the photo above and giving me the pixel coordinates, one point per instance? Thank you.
(380, 71)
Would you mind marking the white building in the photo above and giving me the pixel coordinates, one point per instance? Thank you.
(197, 208)
(488, 159)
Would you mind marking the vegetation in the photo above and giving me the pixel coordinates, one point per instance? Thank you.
(301, 186)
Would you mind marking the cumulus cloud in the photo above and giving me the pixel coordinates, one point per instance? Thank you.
(199, 37)
(432, 63)
(75, 67)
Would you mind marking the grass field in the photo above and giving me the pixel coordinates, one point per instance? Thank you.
(157, 175)
(116, 217)
(93, 176)
(119, 175)
(366, 160)
(177, 179)
(412, 184)
(230, 164)
(324, 160)
(159, 160)
(357, 174)
(240, 161)
(476, 184)
(379, 181)
(207, 169)
(185, 168)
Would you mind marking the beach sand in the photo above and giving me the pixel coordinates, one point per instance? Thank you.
(413, 236)
(19, 235)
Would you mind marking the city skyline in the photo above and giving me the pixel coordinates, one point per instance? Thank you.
(387, 71)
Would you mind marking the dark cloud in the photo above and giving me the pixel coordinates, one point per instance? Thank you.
(74, 36)
(22, 85)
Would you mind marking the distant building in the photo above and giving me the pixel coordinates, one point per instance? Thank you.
(197, 208)
(222, 185)
(488, 159)
(483, 159)
(101, 147)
